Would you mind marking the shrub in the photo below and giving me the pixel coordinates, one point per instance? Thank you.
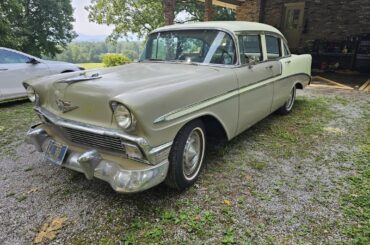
(115, 60)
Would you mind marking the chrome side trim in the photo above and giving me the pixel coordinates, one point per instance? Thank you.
(219, 98)
(195, 107)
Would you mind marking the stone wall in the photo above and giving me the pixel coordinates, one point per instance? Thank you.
(323, 19)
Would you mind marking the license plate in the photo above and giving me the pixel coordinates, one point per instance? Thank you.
(56, 152)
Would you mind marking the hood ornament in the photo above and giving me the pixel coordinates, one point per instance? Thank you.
(82, 77)
(65, 106)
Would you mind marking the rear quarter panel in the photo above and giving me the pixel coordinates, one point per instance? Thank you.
(295, 69)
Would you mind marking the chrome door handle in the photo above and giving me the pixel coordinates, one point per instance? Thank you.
(287, 62)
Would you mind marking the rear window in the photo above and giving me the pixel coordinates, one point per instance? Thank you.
(273, 47)
(286, 50)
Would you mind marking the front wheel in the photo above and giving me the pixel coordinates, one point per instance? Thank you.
(287, 107)
(187, 155)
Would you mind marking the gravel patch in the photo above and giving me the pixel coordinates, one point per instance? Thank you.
(274, 196)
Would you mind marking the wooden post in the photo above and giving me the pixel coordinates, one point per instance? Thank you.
(208, 10)
(169, 11)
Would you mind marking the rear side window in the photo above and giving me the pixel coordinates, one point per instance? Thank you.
(250, 46)
(273, 47)
(8, 57)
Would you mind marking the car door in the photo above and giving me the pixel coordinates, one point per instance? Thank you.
(14, 69)
(254, 77)
(283, 86)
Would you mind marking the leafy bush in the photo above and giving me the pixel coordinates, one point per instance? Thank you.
(115, 60)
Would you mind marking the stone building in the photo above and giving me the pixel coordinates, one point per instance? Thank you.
(305, 20)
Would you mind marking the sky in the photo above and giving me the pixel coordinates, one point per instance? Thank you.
(82, 24)
(84, 27)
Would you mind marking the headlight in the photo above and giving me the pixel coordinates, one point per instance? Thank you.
(123, 116)
(31, 93)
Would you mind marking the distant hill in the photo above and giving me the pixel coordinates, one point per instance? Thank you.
(100, 38)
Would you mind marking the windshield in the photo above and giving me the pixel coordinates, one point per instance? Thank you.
(191, 46)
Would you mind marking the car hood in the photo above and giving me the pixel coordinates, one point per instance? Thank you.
(138, 77)
(133, 85)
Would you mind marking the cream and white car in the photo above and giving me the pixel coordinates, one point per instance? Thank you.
(16, 67)
(138, 125)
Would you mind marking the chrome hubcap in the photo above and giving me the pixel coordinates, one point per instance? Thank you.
(193, 154)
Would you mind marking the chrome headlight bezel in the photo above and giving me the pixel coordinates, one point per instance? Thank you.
(123, 116)
(31, 94)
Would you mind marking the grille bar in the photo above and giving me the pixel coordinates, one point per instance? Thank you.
(94, 140)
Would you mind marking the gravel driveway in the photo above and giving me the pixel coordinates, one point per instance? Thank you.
(281, 181)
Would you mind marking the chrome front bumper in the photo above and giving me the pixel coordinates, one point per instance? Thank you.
(92, 164)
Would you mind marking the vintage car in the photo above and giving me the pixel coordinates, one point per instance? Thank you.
(137, 125)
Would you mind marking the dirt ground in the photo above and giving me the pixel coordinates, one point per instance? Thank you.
(284, 181)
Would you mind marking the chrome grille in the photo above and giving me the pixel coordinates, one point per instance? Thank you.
(94, 140)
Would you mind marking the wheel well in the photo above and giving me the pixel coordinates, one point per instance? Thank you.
(67, 71)
(214, 129)
(299, 86)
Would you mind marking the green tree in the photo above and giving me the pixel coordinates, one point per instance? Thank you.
(128, 16)
(196, 9)
(143, 16)
(10, 10)
(36, 26)
(92, 52)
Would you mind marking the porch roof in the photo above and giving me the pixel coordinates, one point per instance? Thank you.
(230, 4)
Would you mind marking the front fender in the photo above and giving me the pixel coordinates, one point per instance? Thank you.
(215, 96)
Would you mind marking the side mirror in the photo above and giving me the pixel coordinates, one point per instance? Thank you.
(33, 61)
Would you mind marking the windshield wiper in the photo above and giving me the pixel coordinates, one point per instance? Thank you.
(153, 59)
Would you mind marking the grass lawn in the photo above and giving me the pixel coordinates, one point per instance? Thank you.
(88, 66)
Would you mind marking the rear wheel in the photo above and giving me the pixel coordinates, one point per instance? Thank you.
(187, 155)
(288, 106)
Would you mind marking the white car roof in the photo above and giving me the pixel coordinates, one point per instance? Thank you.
(232, 26)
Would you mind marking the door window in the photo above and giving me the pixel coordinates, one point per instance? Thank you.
(8, 57)
(273, 47)
(225, 52)
(250, 48)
